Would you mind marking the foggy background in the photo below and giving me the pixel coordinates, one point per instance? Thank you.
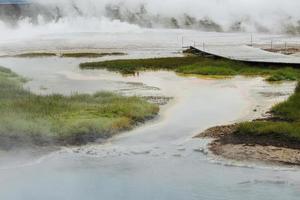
(55, 16)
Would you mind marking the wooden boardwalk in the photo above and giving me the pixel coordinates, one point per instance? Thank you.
(246, 54)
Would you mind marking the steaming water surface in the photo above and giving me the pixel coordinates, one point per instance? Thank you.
(157, 160)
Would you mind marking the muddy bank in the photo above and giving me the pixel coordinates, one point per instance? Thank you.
(283, 50)
(269, 149)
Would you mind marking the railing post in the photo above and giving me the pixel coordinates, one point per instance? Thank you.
(271, 44)
(285, 46)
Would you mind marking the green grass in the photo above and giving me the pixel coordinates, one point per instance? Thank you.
(290, 109)
(59, 119)
(288, 74)
(196, 65)
(276, 130)
(287, 127)
(132, 66)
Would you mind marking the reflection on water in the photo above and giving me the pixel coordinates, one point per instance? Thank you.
(159, 160)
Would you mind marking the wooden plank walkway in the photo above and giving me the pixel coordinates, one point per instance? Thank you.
(246, 54)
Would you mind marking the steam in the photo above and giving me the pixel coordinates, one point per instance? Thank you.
(44, 16)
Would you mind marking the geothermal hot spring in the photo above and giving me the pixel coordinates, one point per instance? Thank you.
(157, 160)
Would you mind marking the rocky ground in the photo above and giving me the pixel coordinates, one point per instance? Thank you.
(230, 146)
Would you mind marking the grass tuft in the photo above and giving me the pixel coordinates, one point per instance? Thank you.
(290, 109)
(59, 119)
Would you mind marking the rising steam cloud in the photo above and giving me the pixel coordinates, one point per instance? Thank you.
(274, 16)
